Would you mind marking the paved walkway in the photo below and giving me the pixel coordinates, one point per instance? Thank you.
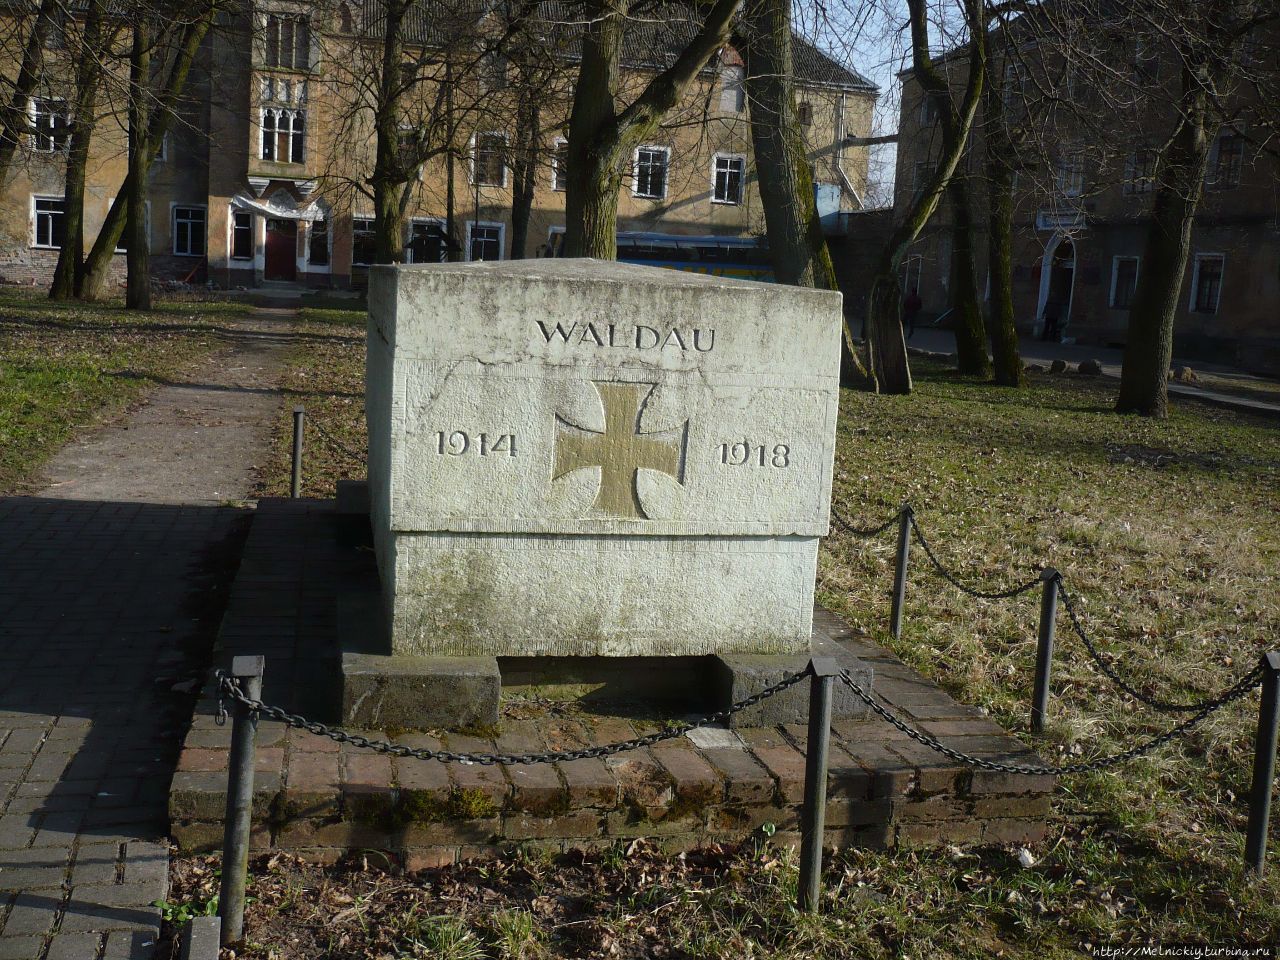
(111, 586)
(1043, 352)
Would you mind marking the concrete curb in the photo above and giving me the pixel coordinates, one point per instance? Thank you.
(200, 939)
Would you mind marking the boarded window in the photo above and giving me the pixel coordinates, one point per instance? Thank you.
(242, 235)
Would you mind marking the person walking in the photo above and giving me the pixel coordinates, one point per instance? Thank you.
(910, 310)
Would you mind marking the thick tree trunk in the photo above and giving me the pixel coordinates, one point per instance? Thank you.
(887, 364)
(1004, 333)
(138, 282)
(388, 175)
(971, 335)
(593, 168)
(98, 262)
(797, 247)
(600, 138)
(1144, 380)
(524, 171)
(13, 117)
(69, 272)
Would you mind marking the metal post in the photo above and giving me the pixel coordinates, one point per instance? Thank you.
(1264, 765)
(813, 820)
(295, 484)
(900, 572)
(235, 838)
(1044, 650)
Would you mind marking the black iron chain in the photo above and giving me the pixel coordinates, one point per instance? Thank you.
(865, 531)
(1243, 687)
(229, 688)
(1163, 706)
(335, 443)
(951, 578)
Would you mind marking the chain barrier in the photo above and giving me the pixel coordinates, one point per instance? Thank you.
(1163, 706)
(1246, 684)
(333, 441)
(865, 531)
(950, 577)
(229, 688)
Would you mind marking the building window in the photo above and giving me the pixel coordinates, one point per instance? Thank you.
(727, 179)
(283, 135)
(484, 241)
(912, 270)
(363, 241)
(188, 231)
(1124, 281)
(1146, 60)
(488, 160)
(51, 125)
(1206, 283)
(930, 109)
(318, 244)
(804, 114)
(920, 177)
(560, 166)
(122, 245)
(288, 42)
(651, 172)
(1226, 161)
(50, 222)
(241, 235)
(733, 93)
(346, 22)
(493, 72)
(1069, 175)
(427, 242)
(1140, 171)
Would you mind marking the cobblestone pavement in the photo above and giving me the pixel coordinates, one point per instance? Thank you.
(101, 606)
(111, 588)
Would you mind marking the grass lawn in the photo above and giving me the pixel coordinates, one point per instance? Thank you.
(68, 365)
(1167, 534)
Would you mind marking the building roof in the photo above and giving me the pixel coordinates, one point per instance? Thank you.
(652, 38)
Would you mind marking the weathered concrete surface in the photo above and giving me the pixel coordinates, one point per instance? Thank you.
(581, 458)
(419, 692)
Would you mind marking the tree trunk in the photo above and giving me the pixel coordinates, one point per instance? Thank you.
(388, 175)
(1144, 380)
(69, 272)
(592, 168)
(138, 282)
(600, 138)
(999, 151)
(797, 247)
(887, 367)
(13, 117)
(971, 335)
(524, 171)
(99, 260)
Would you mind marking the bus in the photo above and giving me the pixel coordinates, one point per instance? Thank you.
(743, 258)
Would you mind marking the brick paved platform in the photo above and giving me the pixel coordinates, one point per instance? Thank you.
(104, 608)
(318, 799)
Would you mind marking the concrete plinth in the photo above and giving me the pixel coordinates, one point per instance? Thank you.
(738, 676)
(419, 692)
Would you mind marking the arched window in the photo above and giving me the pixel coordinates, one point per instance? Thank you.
(346, 22)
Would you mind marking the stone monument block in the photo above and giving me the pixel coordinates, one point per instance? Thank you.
(583, 458)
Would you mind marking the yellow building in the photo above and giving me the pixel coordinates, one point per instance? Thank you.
(265, 181)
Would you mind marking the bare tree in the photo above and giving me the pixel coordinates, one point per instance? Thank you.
(602, 136)
(14, 122)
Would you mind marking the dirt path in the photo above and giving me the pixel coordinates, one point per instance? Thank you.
(198, 441)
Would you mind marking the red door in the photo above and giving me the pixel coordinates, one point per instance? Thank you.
(282, 250)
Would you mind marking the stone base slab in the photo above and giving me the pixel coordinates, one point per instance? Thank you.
(419, 692)
(320, 799)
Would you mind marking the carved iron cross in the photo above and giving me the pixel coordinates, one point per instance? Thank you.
(621, 450)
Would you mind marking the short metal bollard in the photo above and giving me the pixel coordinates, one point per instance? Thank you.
(1044, 649)
(813, 818)
(1264, 766)
(295, 482)
(239, 815)
(900, 571)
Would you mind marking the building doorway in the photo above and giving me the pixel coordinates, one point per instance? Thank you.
(1057, 285)
(281, 261)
